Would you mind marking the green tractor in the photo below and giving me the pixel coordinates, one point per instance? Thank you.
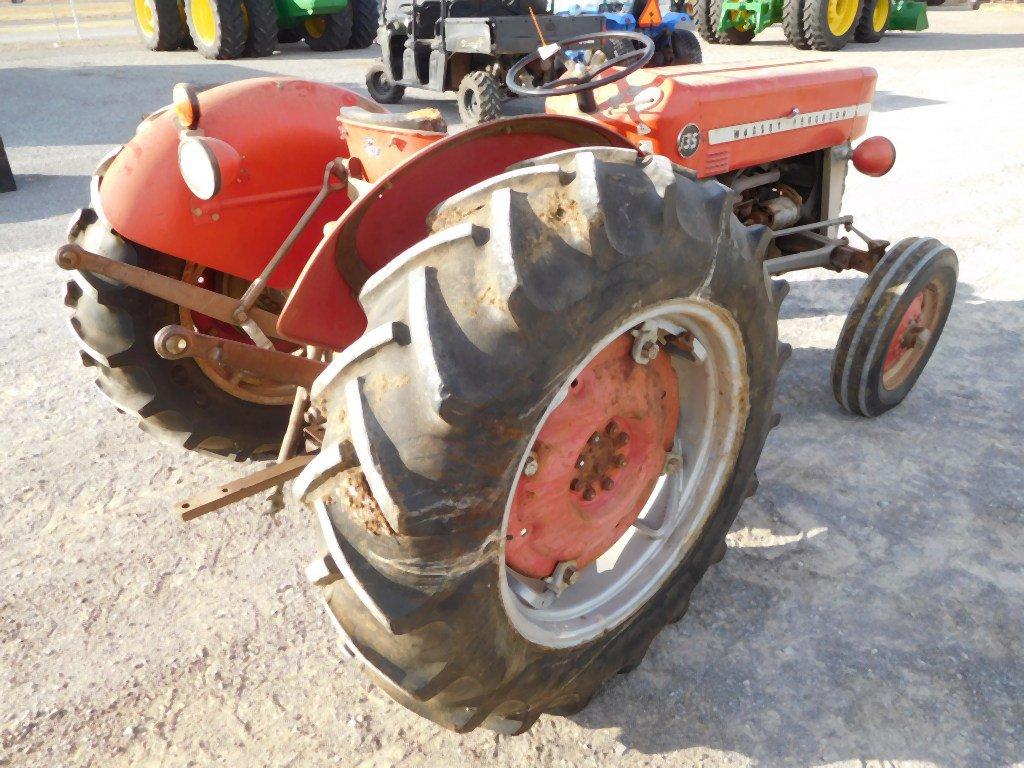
(824, 25)
(228, 29)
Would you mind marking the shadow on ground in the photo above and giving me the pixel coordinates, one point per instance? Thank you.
(787, 656)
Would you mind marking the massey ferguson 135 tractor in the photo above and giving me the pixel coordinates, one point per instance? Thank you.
(521, 374)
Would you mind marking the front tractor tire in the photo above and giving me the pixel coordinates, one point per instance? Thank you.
(706, 21)
(686, 47)
(523, 302)
(173, 400)
(158, 24)
(217, 27)
(329, 32)
(893, 326)
(381, 89)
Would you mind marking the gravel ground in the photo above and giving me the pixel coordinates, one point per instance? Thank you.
(868, 613)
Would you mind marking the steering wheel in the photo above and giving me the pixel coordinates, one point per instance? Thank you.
(582, 80)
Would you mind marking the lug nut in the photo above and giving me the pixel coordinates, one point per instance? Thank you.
(581, 462)
(595, 439)
(589, 494)
(620, 461)
(575, 484)
(622, 439)
(611, 429)
(607, 483)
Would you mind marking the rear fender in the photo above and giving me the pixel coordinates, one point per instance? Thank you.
(285, 131)
(323, 308)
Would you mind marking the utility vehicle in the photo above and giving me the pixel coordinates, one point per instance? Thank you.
(227, 29)
(521, 374)
(465, 46)
(674, 42)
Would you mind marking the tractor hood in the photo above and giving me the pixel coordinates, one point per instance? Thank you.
(717, 118)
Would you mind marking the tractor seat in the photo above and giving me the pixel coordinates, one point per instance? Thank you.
(428, 119)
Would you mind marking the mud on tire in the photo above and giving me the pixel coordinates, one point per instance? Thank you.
(172, 399)
(472, 331)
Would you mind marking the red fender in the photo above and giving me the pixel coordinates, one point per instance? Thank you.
(391, 216)
(285, 130)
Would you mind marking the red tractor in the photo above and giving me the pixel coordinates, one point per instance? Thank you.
(522, 373)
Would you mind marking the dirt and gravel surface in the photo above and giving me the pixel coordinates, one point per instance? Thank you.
(870, 609)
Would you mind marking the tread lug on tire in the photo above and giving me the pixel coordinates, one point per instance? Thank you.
(158, 24)
(479, 98)
(262, 40)
(441, 421)
(862, 383)
(173, 399)
(706, 23)
(686, 47)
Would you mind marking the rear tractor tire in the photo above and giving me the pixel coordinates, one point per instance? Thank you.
(382, 90)
(262, 18)
(873, 21)
(705, 21)
(329, 32)
(830, 24)
(893, 326)
(217, 27)
(158, 23)
(498, 351)
(793, 24)
(479, 98)
(173, 400)
(365, 18)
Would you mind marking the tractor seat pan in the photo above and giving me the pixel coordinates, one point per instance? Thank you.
(428, 119)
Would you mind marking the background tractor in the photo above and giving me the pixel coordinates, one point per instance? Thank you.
(228, 29)
(674, 43)
(522, 373)
(824, 25)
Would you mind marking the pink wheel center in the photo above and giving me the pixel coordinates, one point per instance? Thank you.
(598, 457)
(905, 338)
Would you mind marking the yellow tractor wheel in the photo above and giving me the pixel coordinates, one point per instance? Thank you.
(873, 21)
(329, 31)
(218, 27)
(158, 23)
(830, 24)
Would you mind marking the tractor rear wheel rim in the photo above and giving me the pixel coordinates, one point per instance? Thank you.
(880, 15)
(912, 335)
(146, 16)
(204, 20)
(659, 527)
(841, 16)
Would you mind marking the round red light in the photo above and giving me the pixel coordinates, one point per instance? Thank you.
(875, 156)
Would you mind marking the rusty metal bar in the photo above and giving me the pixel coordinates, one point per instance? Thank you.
(175, 342)
(201, 300)
(228, 493)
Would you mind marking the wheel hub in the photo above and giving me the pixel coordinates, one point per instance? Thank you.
(594, 463)
(912, 336)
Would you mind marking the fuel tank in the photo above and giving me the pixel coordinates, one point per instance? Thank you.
(718, 118)
(285, 131)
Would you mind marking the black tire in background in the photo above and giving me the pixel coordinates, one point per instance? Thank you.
(290, 35)
(262, 16)
(365, 18)
(793, 23)
(857, 365)
(382, 90)
(166, 30)
(816, 28)
(229, 35)
(173, 400)
(686, 47)
(706, 23)
(330, 32)
(440, 410)
(869, 30)
(479, 98)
